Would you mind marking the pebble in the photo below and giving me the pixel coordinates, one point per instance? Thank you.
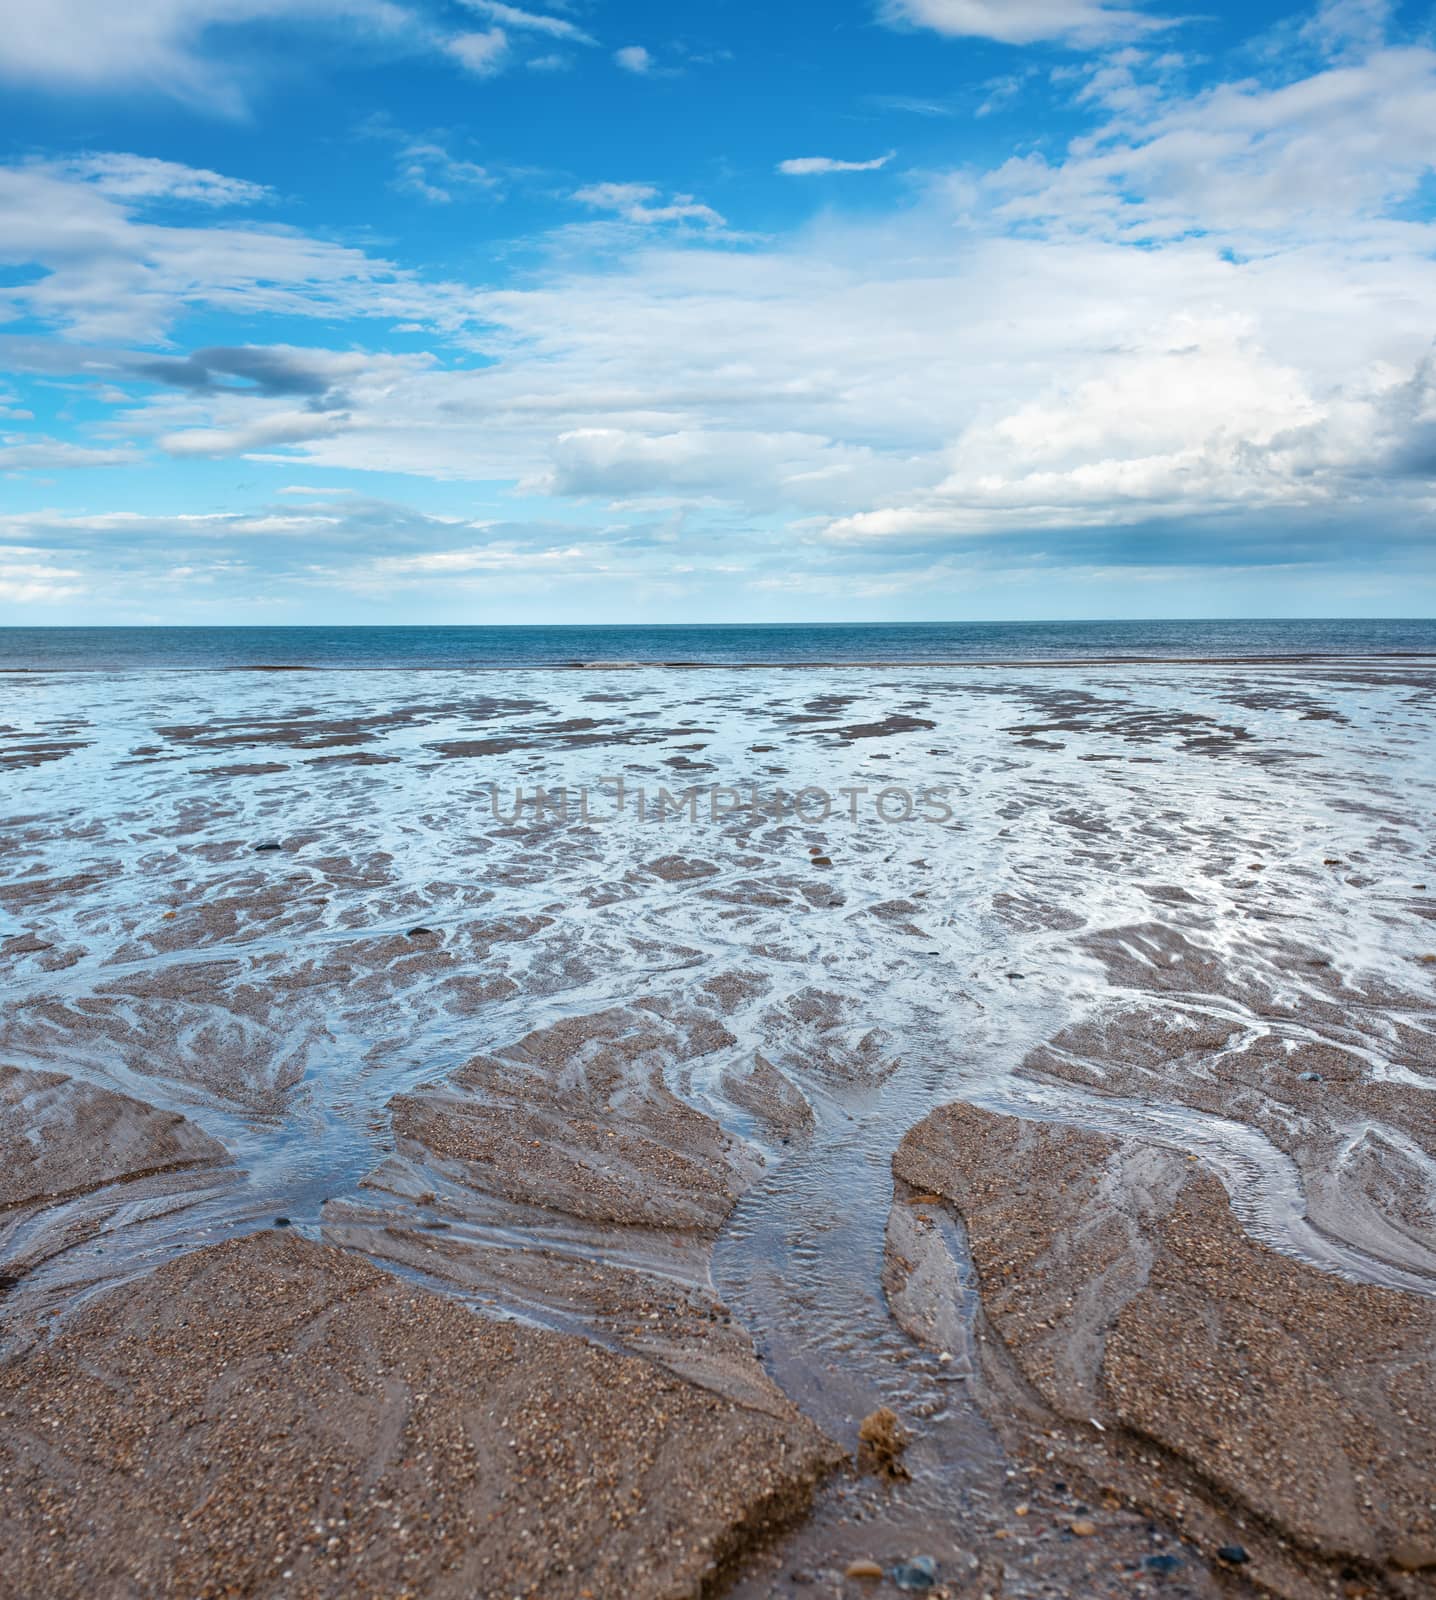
(1413, 1556)
(1311, 1077)
(916, 1575)
(269, 844)
(1083, 1530)
(864, 1569)
(1163, 1563)
(420, 933)
(1233, 1554)
(282, 1222)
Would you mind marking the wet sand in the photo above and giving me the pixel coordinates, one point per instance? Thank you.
(408, 1190)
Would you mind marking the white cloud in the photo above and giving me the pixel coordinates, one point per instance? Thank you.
(1079, 22)
(481, 558)
(483, 54)
(535, 22)
(271, 428)
(21, 454)
(27, 581)
(427, 169)
(1211, 307)
(1349, 27)
(170, 46)
(139, 178)
(813, 166)
(109, 277)
(634, 58)
(634, 203)
(1243, 159)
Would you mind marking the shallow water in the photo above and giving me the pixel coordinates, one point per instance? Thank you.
(277, 1000)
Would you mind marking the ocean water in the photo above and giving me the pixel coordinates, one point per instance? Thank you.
(474, 648)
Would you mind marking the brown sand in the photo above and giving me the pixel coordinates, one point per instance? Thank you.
(59, 1137)
(1254, 1400)
(271, 1416)
(577, 1117)
(573, 1136)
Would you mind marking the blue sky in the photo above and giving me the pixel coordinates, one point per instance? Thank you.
(451, 310)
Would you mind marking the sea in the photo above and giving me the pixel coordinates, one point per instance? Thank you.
(199, 649)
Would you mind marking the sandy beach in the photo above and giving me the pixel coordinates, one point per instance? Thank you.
(501, 1136)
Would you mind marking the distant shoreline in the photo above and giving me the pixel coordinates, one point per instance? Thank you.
(897, 663)
(885, 647)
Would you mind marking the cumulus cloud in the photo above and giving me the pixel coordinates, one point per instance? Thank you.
(813, 166)
(634, 58)
(1080, 22)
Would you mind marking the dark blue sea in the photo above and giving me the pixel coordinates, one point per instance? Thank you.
(462, 648)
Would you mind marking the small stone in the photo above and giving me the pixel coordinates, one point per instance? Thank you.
(864, 1569)
(269, 844)
(1163, 1564)
(1083, 1530)
(1413, 1556)
(917, 1575)
(1311, 1077)
(283, 1222)
(821, 861)
(420, 933)
(1234, 1555)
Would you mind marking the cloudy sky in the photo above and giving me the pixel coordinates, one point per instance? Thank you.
(615, 310)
